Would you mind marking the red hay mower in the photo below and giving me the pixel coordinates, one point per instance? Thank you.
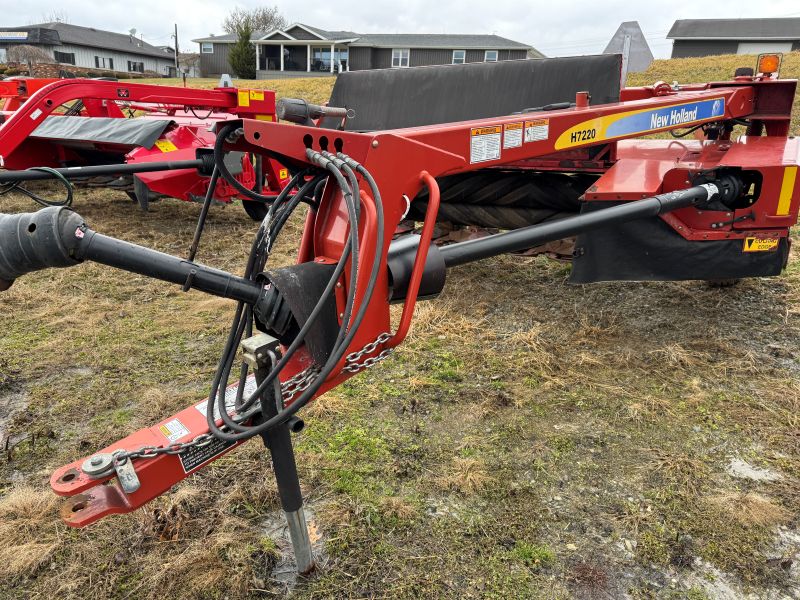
(545, 149)
(160, 133)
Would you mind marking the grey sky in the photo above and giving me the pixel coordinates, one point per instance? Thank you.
(557, 28)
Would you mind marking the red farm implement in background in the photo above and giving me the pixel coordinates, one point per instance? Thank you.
(553, 142)
(160, 133)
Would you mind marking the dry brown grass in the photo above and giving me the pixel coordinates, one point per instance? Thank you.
(750, 509)
(28, 530)
(519, 408)
(464, 475)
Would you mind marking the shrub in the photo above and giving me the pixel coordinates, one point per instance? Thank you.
(243, 55)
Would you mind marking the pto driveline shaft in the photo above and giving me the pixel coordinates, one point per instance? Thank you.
(96, 170)
(529, 237)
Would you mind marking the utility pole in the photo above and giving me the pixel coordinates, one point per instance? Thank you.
(177, 68)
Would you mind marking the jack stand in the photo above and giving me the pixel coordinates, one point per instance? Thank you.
(260, 351)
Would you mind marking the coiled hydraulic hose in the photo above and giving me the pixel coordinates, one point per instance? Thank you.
(340, 171)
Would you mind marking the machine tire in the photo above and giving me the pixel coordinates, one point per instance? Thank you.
(505, 199)
(255, 210)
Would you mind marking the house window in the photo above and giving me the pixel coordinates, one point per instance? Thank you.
(66, 58)
(321, 59)
(459, 57)
(101, 62)
(490, 56)
(135, 67)
(400, 57)
(207, 48)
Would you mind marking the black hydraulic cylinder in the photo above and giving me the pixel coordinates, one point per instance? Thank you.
(528, 237)
(97, 170)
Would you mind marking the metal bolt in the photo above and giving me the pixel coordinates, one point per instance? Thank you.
(339, 285)
(97, 460)
(374, 143)
(341, 315)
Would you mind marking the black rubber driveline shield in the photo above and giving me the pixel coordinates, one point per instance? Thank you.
(650, 250)
(396, 98)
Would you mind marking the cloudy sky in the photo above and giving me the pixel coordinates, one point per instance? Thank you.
(557, 28)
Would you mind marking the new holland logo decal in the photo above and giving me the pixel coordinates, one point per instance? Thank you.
(637, 122)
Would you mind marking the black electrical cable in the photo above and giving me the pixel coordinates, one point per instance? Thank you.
(210, 112)
(674, 133)
(18, 187)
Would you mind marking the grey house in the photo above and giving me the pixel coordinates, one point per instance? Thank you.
(89, 48)
(708, 37)
(302, 49)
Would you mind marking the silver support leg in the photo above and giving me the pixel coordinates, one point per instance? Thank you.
(298, 530)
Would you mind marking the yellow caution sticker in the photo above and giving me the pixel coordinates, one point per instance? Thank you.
(166, 146)
(283, 174)
(752, 244)
(263, 117)
(256, 95)
(244, 98)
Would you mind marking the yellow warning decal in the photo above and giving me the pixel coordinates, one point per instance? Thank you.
(485, 143)
(263, 117)
(166, 146)
(244, 98)
(283, 174)
(787, 187)
(752, 244)
(256, 95)
(512, 136)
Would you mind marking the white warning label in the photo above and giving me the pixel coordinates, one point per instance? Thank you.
(485, 143)
(230, 398)
(173, 430)
(538, 130)
(512, 138)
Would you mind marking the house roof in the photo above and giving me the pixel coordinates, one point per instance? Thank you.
(738, 29)
(97, 38)
(437, 40)
(388, 40)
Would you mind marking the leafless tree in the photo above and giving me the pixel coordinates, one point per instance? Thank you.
(30, 55)
(264, 18)
(55, 16)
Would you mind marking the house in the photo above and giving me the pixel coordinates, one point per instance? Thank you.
(631, 43)
(708, 37)
(304, 49)
(79, 48)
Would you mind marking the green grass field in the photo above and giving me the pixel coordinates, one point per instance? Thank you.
(531, 439)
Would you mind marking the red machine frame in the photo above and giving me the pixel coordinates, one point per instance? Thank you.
(29, 101)
(404, 161)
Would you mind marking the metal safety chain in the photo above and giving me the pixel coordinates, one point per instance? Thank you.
(353, 366)
(289, 389)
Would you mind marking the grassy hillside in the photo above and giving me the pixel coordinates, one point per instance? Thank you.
(715, 68)
(313, 89)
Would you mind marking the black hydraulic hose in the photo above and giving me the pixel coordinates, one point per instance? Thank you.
(219, 160)
(336, 355)
(201, 220)
(528, 237)
(92, 171)
(17, 186)
(246, 431)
